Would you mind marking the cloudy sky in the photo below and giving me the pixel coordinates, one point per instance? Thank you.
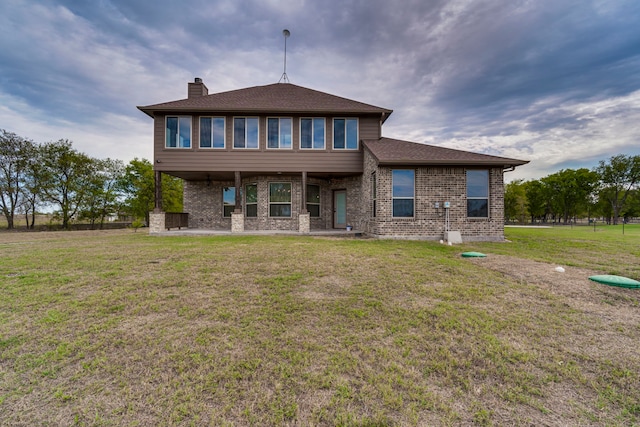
(556, 82)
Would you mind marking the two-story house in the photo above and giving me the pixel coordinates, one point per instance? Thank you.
(285, 157)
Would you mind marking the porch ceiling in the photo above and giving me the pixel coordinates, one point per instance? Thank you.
(230, 176)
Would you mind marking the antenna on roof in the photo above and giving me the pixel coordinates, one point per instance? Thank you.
(284, 77)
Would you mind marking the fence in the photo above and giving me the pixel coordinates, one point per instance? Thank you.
(176, 220)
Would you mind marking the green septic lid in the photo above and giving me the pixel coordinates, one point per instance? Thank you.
(619, 281)
(473, 255)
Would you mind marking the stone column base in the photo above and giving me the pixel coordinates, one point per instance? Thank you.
(237, 222)
(156, 222)
(304, 223)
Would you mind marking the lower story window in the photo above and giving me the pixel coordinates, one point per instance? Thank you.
(313, 200)
(280, 199)
(251, 200)
(403, 182)
(477, 193)
(228, 200)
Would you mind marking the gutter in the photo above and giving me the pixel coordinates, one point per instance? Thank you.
(409, 162)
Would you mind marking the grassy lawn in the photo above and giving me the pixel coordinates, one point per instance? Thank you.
(120, 328)
(609, 249)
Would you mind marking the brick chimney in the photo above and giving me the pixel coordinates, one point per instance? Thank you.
(196, 89)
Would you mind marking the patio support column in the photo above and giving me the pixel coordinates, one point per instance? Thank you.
(238, 185)
(157, 219)
(303, 193)
(158, 192)
(304, 223)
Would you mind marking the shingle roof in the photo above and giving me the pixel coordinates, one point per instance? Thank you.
(276, 98)
(391, 152)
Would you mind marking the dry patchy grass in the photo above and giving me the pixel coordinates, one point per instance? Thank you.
(119, 328)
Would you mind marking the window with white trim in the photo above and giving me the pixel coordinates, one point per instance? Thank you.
(212, 132)
(280, 199)
(251, 200)
(477, 193)
(313, 200)
(312, 133)
(403, 183)
(228, 201)
(245, 132)
(178, 132)
(279, 132)
(345, 134)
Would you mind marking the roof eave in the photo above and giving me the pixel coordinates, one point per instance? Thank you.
(147, 111)
(150, 111)
(263, 110)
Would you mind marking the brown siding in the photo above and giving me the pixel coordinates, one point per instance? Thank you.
(196, 89)
(262, 159)
(369, 128)
(259, 161)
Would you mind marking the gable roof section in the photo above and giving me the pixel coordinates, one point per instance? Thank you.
(273, 98)
(395, 152)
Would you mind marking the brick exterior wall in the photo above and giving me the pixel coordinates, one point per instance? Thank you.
(203, 202)
(432, 184)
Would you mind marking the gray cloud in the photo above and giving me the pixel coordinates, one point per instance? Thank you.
(552, 82)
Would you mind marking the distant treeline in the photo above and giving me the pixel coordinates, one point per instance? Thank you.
(54, 176)
(609, 191)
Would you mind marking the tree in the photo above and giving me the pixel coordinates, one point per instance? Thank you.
(632, 207)
(138, 183)
(602, 205)
(569, 191)
(536, 200)
(66, 178)
(515, 201)
(103, 195)
(619, 176)
(588, 186)
(15, 152)
(172, 192)
(32, 194)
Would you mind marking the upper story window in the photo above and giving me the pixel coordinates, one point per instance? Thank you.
(478, 193)
(178, 132)
(279, 132)
(312, 133)
(212, 132)
(403, 182)
(345, 134)
(245, 132)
